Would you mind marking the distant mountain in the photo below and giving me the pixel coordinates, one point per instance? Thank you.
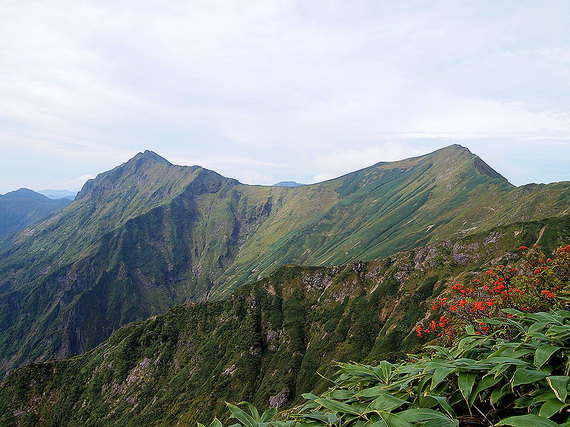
(148, 235)
(268, 343)
(59, 194)
(20, 208)
(287, 184)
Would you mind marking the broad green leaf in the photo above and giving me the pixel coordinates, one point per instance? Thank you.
(341, 394)
(529, 420)
(371, 392)
(216, 423)
(444, 403)
(559, 385)
(550, 407)
(543, 353)
(309, 396)
(321, 418)
(331, 418)
(527, 376)
(538, 326)
(524, 401)
(465, 382)
(422, 414)
(439, 375)
(486, 382)
(333, 405)
(394, 420)
(252, 409)
(241, 415)
(268, 415)
(383, 370)
(505, 360)
(441, 423)
(557, 331)
(498, 393)
(386, 402)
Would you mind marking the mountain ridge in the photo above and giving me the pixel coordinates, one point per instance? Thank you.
(163, 234)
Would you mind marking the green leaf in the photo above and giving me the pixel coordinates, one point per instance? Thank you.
(465, 383)
(440, 373)
(383, 370)
(498, 393)
(252, 409)
(341, 394)
(444, 403)
(386, 402)
(216, 423)
(422, 414)
(559, 385)
(333, 405)
(309, 396)
(527, 376)
(551, 407)
(371, 392)
(543, 353)
(441, 423)
(529, 420)
(393, 420)
(486, 382)
(241, 416)
(538, 326)
(268, 415)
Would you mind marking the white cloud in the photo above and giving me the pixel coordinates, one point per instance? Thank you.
(285, 89)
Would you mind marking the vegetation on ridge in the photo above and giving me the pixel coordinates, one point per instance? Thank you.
(268, 343)
(510, 369)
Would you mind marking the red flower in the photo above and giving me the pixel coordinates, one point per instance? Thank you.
(536, 271)
(522, 248)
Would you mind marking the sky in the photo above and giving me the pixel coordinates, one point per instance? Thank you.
(265, 91)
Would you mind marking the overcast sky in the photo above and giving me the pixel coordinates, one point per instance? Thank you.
(264, 91)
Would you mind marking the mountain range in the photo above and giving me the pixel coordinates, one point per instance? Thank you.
(148, 235)
(20, 208)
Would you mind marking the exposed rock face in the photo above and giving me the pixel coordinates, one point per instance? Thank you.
(280, 399)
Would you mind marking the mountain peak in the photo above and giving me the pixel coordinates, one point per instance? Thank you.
(149, 156)
(25, 193)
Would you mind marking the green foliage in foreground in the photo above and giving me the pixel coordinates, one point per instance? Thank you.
(516, 376)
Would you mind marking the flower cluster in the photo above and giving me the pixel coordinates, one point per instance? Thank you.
(537, 283)
(443, 324)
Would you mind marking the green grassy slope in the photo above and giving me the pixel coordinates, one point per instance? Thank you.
(266, 343)
(149, 235)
